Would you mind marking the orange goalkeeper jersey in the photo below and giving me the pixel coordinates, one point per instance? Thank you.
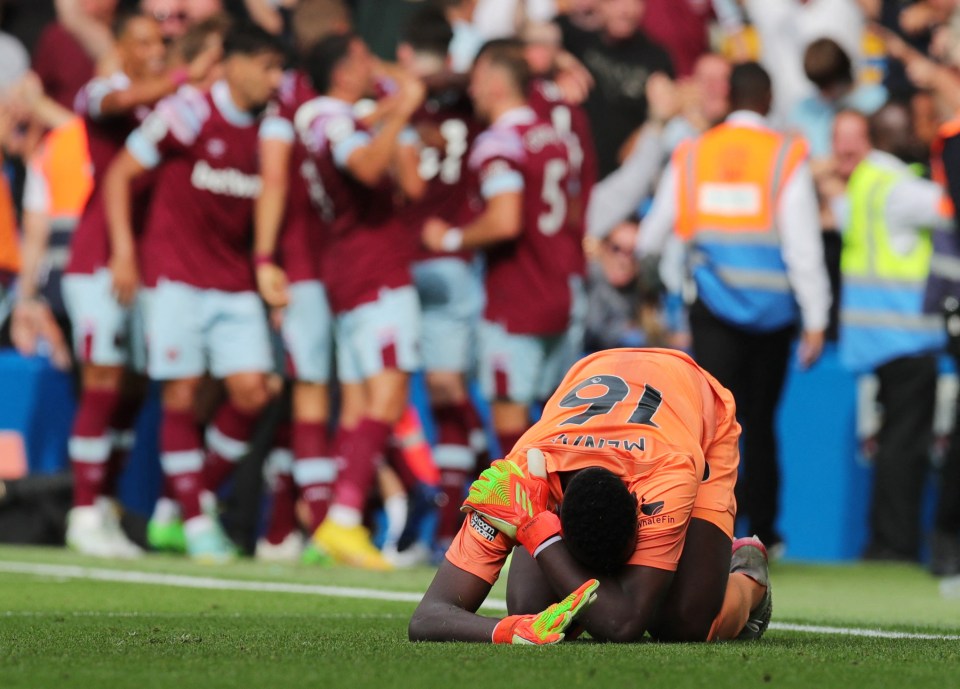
(654, 418)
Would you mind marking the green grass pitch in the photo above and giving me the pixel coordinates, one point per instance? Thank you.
(60, 628)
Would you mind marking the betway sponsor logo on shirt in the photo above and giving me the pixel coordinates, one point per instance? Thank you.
(227, 181)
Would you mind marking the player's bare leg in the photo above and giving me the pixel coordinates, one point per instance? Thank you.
(342, 533)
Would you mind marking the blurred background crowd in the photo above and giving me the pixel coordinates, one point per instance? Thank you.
(869, 88)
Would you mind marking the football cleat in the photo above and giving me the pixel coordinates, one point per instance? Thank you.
(123, 547)
(315, 556)
(166, 536)
(290, 549)
(750, 558)
(207, 543)
(87, 533)
(417, 554)
(350, 545)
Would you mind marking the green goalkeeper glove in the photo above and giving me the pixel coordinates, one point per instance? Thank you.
(507, 497)
(547, 627)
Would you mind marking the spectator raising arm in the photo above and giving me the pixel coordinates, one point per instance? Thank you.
(92, 34)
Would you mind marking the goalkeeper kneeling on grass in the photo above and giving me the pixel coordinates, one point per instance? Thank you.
(621, 499)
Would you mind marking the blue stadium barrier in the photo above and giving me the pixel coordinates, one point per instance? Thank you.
(37, 401)
(825, 484)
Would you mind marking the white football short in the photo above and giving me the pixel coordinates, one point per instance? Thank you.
(105, 333)
(451, 300)
(379, 335)
(308, 332)
(191, 331)
(528, 368)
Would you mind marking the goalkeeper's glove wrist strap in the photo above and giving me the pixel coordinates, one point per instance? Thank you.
(546, 544)
(537, 530)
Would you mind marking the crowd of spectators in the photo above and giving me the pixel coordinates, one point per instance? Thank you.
(642, 76)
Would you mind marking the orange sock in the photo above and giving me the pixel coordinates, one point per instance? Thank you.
(743, 593)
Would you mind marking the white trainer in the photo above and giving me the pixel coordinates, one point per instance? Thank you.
(123, 547)
(414, 556)
(290, 549)
(87, 534)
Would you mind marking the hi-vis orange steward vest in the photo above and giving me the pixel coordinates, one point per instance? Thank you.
(63, 160)
(9, 244)
(728, 186)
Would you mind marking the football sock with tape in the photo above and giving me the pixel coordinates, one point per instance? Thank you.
(456, 460)
(314, 468)
(89, 445)
(228, 439)
(181, 457)
(283, 519)
(361, 450)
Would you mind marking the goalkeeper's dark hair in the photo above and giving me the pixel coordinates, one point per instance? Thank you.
(599, 519)
(324, 57)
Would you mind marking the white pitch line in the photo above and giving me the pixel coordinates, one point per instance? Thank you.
(852, 631)
(195, 582)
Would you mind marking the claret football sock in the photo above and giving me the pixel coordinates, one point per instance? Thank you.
(181, 457)
(360, 452)
(228, 440)
(456, 461)
(89, 444)
(283, 492)
(122, 437)
(314, 468)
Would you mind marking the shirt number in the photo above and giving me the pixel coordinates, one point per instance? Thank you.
(553, 197)
(615, 390)
(454, 133)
